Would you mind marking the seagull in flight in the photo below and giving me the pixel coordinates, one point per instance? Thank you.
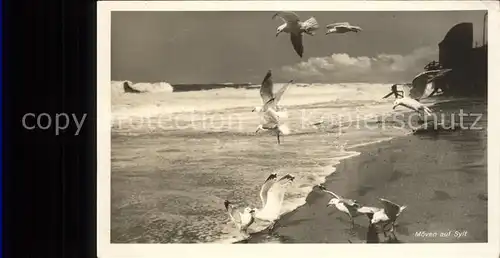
(412, 104)
(267, 93)
(269, 110)
(242, 219)
(420, 81)
(272, 193)
(439, 75)
(347, 206)
(418, 86)
(295, 27)
(341, 27)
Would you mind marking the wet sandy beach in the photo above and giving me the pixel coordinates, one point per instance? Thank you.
(440, 175)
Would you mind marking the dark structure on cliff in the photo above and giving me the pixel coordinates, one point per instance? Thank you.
(469, 64)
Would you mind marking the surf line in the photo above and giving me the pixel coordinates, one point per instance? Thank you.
(43, 121)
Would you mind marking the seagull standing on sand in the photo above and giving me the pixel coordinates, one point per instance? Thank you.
(295, 27)
(385, 216)
(272, 194)
(270, 115)
(341, 27)
(347, 206)
(418, 86)
(242, 219)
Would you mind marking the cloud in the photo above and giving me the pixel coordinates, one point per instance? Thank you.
(384, 68)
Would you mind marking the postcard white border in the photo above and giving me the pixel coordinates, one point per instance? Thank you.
(107, 250)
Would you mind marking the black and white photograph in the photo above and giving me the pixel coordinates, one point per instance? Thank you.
(281, 124)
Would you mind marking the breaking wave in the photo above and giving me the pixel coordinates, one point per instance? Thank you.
(119, 87)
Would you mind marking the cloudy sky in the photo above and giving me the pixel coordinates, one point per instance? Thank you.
(214, 47)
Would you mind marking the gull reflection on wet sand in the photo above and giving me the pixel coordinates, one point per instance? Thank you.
(375, 236)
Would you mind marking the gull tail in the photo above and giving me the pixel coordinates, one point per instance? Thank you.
(310, 25)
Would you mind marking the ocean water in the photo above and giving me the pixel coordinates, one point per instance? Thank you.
(177, 156)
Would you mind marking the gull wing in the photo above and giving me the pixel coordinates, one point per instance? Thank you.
(271, 179)
(434, 72)
(337, 24)
(275, 197)
(440, 73)
(405, 88)
(367, 210)
(390, 208)
(233, 213)
(266, 88)
(297, 43)
(351, 207)
(333, 194)
(279, 94)
(286, 179)
(419, 83)
(350, 202)
(288, 17)
(356, 28)
(271, 104)
(322, 188)
(331, 30)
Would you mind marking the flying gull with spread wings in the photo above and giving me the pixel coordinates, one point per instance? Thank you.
(296, 28)
(417, 90)
(269, 111)
(267, 93)
(341, 27)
